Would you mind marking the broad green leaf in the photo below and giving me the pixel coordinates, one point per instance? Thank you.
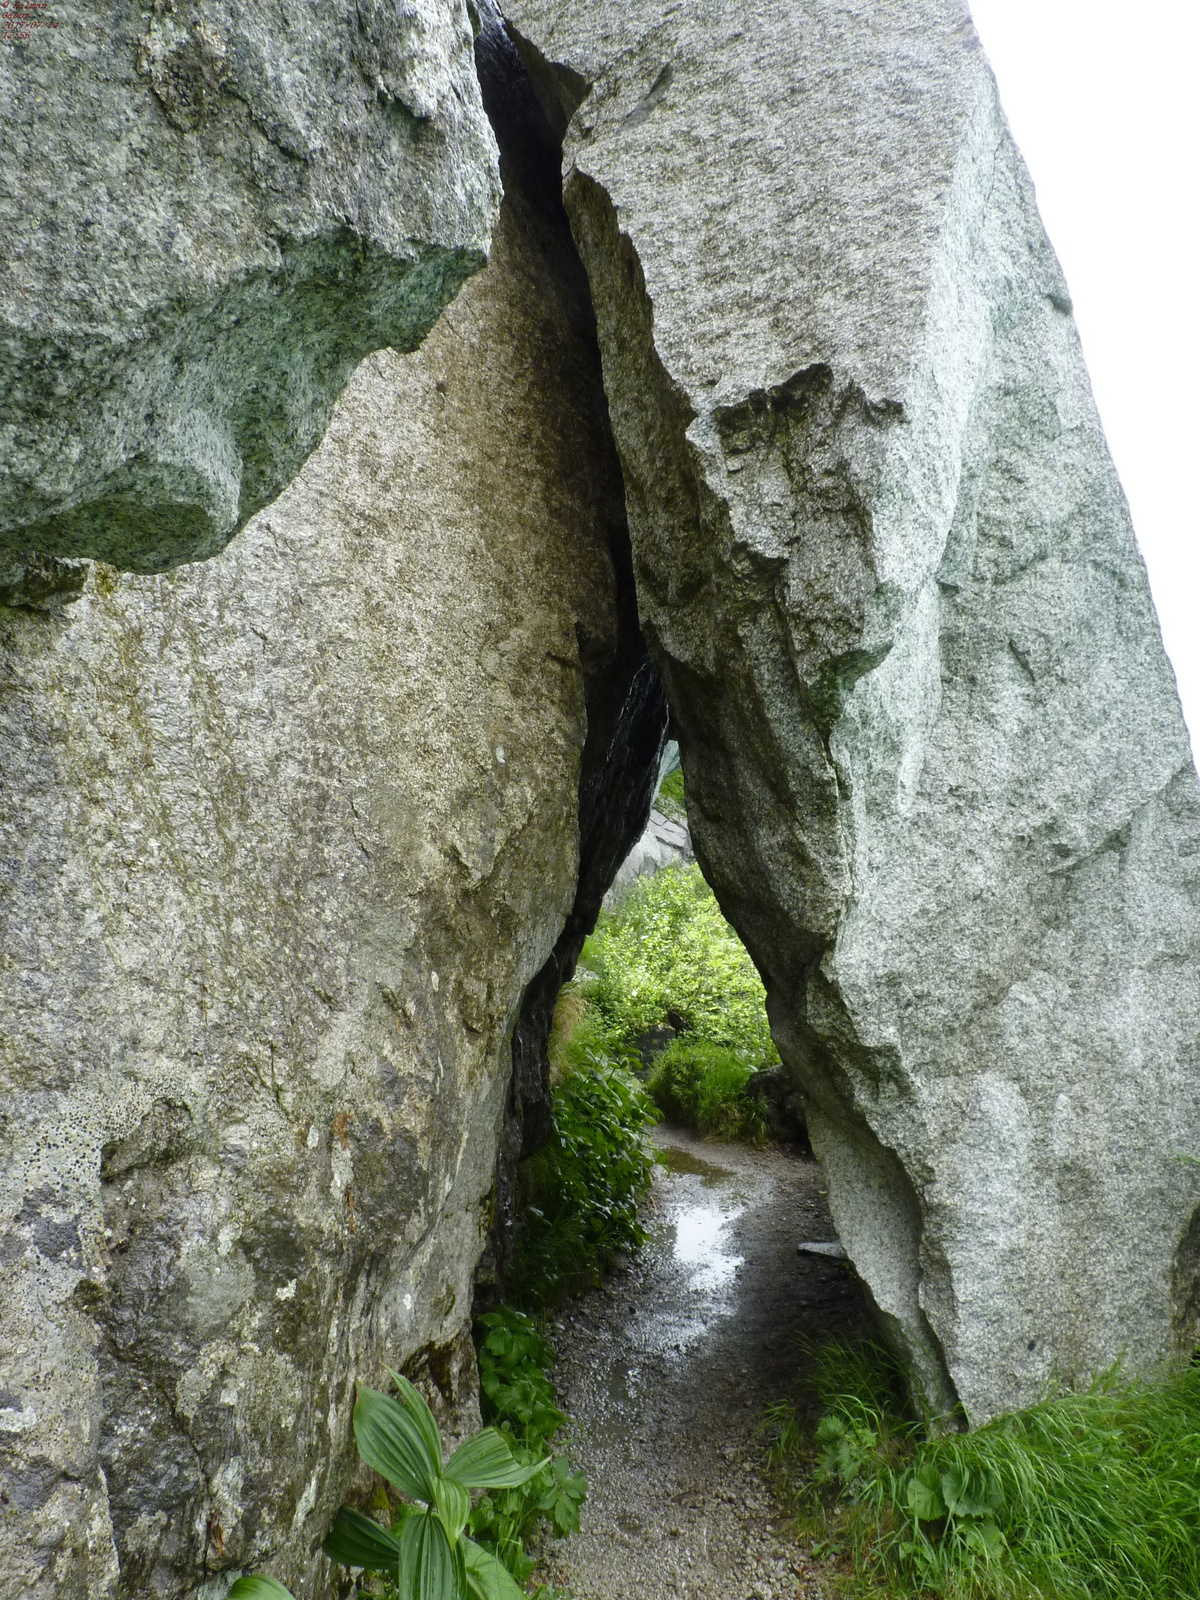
(453, 1506)
(427, 1565)
(415, 1405)
(487, 1462)
(390, 1440)
(488, 1578)
(357, 1541)
(924, 1497)
(258, 1589)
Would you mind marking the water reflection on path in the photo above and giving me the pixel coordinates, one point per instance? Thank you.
(666, 1371)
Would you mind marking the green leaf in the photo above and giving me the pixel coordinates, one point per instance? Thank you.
(413, 1401)
(428, 1570)
(487, 1462)
(488, 1578)
(453, 1506)
(391, 1440)
(357, 1541)
(924, 1495)
(259, 1589)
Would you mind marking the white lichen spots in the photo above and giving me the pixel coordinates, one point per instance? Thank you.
(305, 1503)
(448, 1185)
(314, 1138)
(14, 1421)
(343, 1171)
(408, 1302)
(227, 1486)
(225, 1240)
(434, 982)
(228, 1395)
(501, 758)
(288, 1292)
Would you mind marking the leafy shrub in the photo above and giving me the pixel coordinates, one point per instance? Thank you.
(581, 1191)
(671, 799)
(1089, 1496)
(703, 1086)
(669, 951)
(519, 1399)
(426, 1553)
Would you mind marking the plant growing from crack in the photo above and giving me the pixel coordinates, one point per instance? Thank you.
(426, 1552)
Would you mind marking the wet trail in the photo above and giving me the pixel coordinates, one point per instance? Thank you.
(667, 1371)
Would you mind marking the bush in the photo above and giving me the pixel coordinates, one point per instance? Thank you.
(581, 1192)
(668, 952)
(518, 1398)
(703, 1086)
(1090, 1496)
(671, 799)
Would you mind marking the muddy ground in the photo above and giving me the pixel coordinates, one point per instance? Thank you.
(668, 1369)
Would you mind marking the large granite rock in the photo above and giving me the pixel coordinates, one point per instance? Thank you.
(936, 767)
(211, 211)
(287, 838)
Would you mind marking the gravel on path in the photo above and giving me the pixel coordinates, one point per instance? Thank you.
(668, 1368)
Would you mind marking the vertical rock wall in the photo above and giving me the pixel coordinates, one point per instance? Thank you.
(286, 838)
(936, 767)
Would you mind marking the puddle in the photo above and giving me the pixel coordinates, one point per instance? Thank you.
(677, 1160)
(700, 1244)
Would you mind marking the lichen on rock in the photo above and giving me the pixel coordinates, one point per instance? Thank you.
(936, 768)
(214, 211)
(288, 836)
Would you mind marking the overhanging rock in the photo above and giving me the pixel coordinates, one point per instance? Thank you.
(936, 767)
(211, 214)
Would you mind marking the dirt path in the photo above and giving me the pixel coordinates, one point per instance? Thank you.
(667, 1371)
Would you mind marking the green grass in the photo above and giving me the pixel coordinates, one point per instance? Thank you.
(1085, 1496)
(703, 1086)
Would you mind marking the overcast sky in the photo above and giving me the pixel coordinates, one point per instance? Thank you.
(1104, 100)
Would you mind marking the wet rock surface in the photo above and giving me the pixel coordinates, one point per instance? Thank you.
(667, 1371)
(937, 772)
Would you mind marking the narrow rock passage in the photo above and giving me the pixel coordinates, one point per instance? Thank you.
(668, 1368)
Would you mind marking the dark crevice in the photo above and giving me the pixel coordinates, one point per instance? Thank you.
(626, 708)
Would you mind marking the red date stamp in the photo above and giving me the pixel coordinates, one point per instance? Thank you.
(21, 19)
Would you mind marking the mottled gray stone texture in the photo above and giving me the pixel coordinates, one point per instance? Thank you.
(936, 767)
(285, 837)
(210, 212)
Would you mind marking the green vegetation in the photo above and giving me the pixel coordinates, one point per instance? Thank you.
(671, 800)
(581, 1192)
(1085, 1496)
(426, 1554)
(668, 953)
(668, 959)
(703, 1086)
(519, 1400)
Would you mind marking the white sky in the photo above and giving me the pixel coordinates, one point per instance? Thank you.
(1104, 100)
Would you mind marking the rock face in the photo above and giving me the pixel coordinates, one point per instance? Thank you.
(211, 213)
(287, 838)
(665, 842)
(936, 767)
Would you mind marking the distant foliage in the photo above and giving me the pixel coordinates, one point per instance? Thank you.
(518, 1398)
(581, 1192)
(1092, 1496)
(671, 799)
(703, 1086)
(669, 953)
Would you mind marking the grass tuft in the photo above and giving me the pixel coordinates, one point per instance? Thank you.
(1085, 1496)
(703, 1086)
